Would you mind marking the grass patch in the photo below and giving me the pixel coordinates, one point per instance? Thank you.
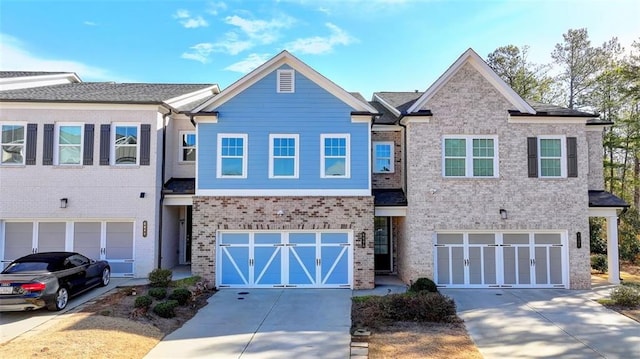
(186, 282)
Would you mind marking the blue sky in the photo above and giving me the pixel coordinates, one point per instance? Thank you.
(362, 45)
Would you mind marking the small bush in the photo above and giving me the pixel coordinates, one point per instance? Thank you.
(423, 284)
(182, 295)
(626, 296)
(599, 263)
(160, 277)
(166, 309)
(143, 301)
(374, 311)
(158, 293)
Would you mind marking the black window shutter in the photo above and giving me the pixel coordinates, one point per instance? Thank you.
(105, 144)
(572, 157)
(87, 156)
(532, 156)
(32, 143)
(145, 145)
(47, 145)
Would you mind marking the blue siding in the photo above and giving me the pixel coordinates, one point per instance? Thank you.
(309, 112)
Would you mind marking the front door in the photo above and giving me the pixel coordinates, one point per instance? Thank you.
(382, 243)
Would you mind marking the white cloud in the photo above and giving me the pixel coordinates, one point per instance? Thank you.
(214, 8)
(188, 21)
(90, 23)
(200, 52)
(250, 63)
(15, 57)
(232, 45)
(261, 31)
(321, 45)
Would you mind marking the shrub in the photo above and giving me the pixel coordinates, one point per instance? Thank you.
(626, 296)
(160, 277)
(599, 262)
(182, 295)
(374, 312)
(158, 293)
(424, 284)
(598, 245)
(143, 301)
(166, 309)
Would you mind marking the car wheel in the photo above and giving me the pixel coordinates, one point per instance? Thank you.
(106, 277)
(61, 299)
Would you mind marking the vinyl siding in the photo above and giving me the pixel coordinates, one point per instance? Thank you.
(259, 111)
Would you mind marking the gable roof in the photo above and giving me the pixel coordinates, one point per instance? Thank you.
(10, 80)
(543, 109)
(274, 63)
(174, 95)
(478, 63)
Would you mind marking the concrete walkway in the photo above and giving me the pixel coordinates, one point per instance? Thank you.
(265, 324)
(545, 323)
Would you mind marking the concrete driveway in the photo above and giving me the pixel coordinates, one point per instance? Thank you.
(265, 323)
(13, 324)
(545, 323)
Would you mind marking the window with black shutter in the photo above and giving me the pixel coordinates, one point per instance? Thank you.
(105, 144)
(87, 159)
(32, 143)
(47, 144)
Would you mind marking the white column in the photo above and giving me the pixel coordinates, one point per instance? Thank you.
(612, 250)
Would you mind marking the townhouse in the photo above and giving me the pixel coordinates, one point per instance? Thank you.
(284, 179)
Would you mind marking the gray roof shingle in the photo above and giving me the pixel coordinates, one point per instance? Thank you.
(605, 199)
(389, 197)
(102, 92)
(11, 74)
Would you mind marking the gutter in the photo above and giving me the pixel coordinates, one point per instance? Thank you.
(162, 180)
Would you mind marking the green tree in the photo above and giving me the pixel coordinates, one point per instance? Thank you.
(580, 63)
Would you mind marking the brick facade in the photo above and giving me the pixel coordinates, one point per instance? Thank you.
(389, 180)
(469, 105)
(211, 214)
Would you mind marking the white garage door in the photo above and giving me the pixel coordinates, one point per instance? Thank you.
(112, 241)
(486, 260)
(284, 259)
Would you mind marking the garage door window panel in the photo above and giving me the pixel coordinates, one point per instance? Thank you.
(119, 247)
(51, 236)
(268, 258)
(87, 238)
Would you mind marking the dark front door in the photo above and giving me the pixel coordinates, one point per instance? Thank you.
(382, 243)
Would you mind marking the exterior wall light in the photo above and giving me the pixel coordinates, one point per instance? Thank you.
(503, 213)
(280, 213)
(63, 202)
(142, 194)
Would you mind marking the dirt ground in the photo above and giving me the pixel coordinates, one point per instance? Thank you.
(108, 327)
(427, 340)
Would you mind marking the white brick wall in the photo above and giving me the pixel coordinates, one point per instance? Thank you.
(469, 105)
(94, 192)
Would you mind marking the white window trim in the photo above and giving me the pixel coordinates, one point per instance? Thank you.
(468, 159)
(24, 143)
(56, 152)
(296, 157)
(293, 81)
(182, 147)
(245, 152)
(347, 164)
(563, 155)
(392, 156)
(113, 143)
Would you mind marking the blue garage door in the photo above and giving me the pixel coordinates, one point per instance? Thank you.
(284, 259)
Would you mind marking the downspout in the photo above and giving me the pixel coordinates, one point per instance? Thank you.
(404, 155)
(162, 179)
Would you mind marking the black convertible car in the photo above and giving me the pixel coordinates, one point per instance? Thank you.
(49, 279)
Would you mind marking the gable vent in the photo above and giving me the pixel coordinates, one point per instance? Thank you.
(286, 81)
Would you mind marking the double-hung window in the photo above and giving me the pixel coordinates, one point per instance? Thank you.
(69, 144)
(283, 156)
(470, 156)
(187, 146)
(383, 157)
(232, 156)
(12, 144)
(551, 157)
(334, 159)
(125, 144)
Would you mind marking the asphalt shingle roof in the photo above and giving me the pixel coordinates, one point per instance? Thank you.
(180, 186)
(605, 199)
(10, 74)
(400, 100)
(102, 92)
(389, 197)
